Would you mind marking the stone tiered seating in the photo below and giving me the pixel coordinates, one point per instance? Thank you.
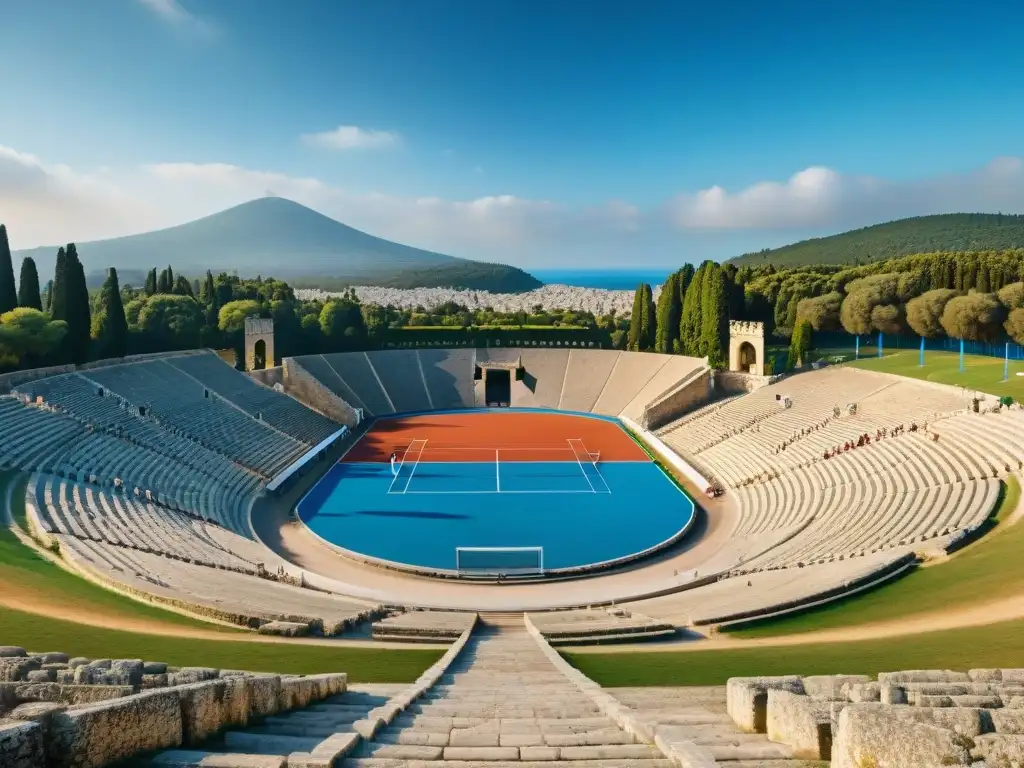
(586, 375)
(180, 404)
(86, 512)
(403, 379)
(768, 592)
(360, 380)
(545, 371)
(423, 626)
(674, 371)
(912, 718)
(223, 594)
(599, 626)
(30, 435)
(282, 412)
(631, 372)
(449, 376)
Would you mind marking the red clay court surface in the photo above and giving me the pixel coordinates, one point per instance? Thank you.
(461, 437)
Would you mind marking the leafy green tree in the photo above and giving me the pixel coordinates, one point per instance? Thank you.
(618, 339)
(133, 309)
(8, 292)
(975, 317)
(669, 310)
(28, 285)
(1012, 295)
(109, 324)
(231, 318)
(822, 312)
(30, 336)
(182, 287)
(170, 321)
(888, 318)
(342, 324)
(924, 312)
(1014, 325)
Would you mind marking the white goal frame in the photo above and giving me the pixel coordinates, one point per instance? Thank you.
(536, 570)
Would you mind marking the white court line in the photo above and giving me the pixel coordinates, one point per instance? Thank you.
(401, 464)
(582, 470)
(503, 493)
(415, 466)
(497, 471)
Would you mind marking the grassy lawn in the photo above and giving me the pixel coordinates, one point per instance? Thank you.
(366, 665)
(990, 569)
(981, 373)
(25, 572)
(997, 645)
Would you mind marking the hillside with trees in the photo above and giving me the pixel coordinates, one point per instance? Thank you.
(951, 232)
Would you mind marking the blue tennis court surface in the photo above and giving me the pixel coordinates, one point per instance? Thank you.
(579, 512)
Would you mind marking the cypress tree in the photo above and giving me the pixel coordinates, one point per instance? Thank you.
(691, 318)
(28, 285)
(112, 330)
(714, 326)
(150, 288)
(77, 308)
(163, 284)
(170, 279)
(636, 320)
(207, 292)
(650, 324)
(8, 291)
(57, 299)
(669, 310)
(49, 293)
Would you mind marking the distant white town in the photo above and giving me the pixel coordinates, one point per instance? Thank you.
(596, 300)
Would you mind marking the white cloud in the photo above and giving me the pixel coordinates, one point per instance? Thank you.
(352, 137)
(175, 14)
(820, 197)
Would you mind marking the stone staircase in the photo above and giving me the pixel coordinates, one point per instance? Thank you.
(502, 703)
(268, 744)
(700, 712)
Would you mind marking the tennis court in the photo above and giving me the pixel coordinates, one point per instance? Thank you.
(575, 489)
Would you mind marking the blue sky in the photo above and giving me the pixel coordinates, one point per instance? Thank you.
(582, 133)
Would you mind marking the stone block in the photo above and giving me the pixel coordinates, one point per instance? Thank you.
(868, 735)
(101, 663)
(11, 651)
(800, 722)
(264, 694)
(15, 668)
(100, 734)
(154, 681)
(1008, 720)
(368, 728)
(675, 743)
(154, 668)
(187, 675)
(538, 754)
(985, 675)
(479, 753)
(77, 661)
(832, 686)
(296, 692)
(864, 692)
(37, 712)
(1011, 675)
(184, 758)
(126, 672)
(327, 753)
(52, 657)
(71, 694)
(999, 749)
(21, 744)
(209, 707)
(65, 676)
(924, 676)
(41, 676)
(284, 628)
(747, 699)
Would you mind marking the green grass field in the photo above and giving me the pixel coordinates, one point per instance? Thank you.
(997, 645)
(24, 572)
(981, 373)
(990, 568)
(366, 665)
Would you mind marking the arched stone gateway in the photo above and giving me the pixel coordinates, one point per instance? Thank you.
(259, 332)
(746, 347)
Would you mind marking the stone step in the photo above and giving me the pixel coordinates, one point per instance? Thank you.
(268, 744)
(764, 750)
(186, 758)
(299, 729)
(313, 718)
(410, 752)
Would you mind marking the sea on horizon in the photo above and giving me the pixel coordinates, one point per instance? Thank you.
(609, 279)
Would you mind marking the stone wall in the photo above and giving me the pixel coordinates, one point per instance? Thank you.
(268, 377)
(306, 388)
(736, 383)
(686, 396)
(155, 707)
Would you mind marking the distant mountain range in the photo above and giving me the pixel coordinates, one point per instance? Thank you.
(922, 234)
(280, 238)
